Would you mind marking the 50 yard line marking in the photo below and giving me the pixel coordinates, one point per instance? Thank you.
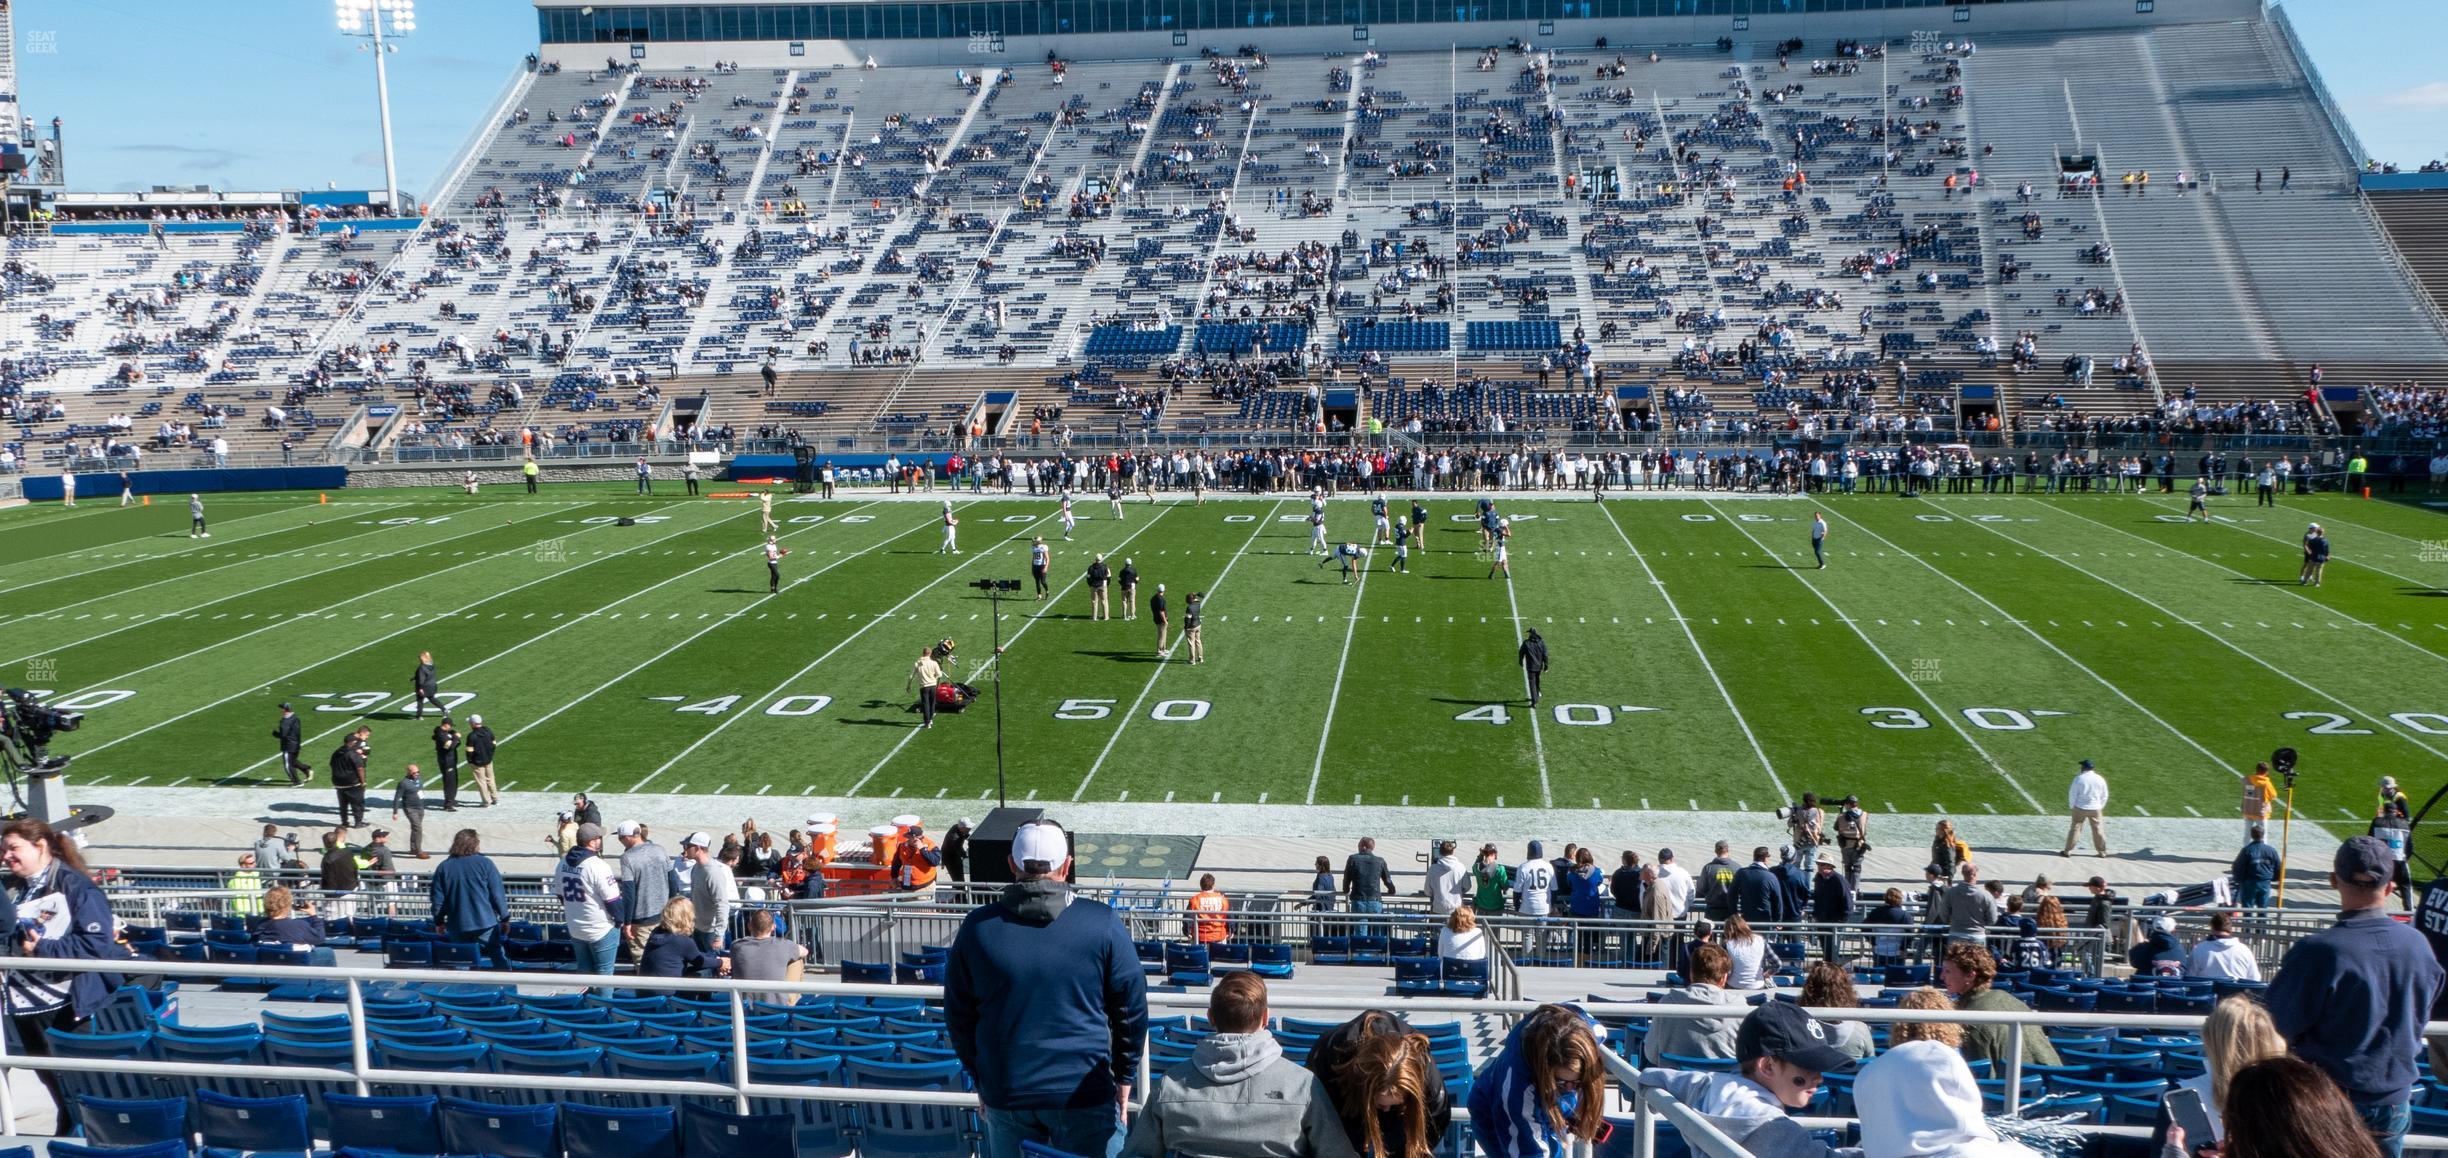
(575, 620)
(1684, 622)
(1014, 641)
(1875, 649)
(1212, 588)
(1335, 696)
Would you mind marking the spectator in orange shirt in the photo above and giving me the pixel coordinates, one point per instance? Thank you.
(1208, 923)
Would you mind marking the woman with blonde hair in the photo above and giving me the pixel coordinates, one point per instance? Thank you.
(1926, 999)
(1948, 850)
(671, 950)
(1384, 1085)
(1462, 939)
(2237, 1034)
(1547, 1086)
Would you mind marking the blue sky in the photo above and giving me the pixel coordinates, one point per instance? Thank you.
(266, 94)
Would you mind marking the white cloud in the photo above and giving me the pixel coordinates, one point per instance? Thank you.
(2433, 95)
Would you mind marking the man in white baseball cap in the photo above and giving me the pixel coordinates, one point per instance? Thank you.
(1047, 1007)
(712, 888)
(645, 879)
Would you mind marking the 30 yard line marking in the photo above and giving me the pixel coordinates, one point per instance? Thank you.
(1008, 644)
(370, 556)
(1922, 690)
(1538, 743)
(462, 672)
(351, 651)
(2061, 653)
(1694, 640)
(1334, 695)
(1127, 717)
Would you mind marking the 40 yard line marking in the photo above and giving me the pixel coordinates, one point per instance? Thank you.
(1014, 641)
(1685, 623)
(1212, 588)
(657, 657)
(1335, 695)
(351, 651)
(1918, 689)
(1538, 743)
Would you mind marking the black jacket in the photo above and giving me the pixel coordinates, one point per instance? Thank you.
(340, 868)
(1098, 573)
(289, 732)
(446, 745)
(1340, 1045)
(1760, 896)
(424, 678)
(1534, 653)
(1130, 575)
(956, 853)
(480, 744)
(1626, 886)
(1830, 900)
(1716, 884)
(347, 766)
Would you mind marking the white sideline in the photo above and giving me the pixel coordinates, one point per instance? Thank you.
(1538, 743)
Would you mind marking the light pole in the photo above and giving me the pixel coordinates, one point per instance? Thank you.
(366, 18)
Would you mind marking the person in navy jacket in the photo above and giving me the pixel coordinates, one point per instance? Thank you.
(60, 913)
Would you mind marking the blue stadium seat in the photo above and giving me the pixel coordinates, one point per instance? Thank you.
(252, 1123)
(623, 1132)
(106, 1047)
(172, 1149)
(118, 1122)
(470, 1127)
(704, 1130)
(585, 1062)
(818, 1127)
(866, 973)
(1465, 978)
(413, 1125)
(1417, 976)
(677, 1067)
(1188, 964)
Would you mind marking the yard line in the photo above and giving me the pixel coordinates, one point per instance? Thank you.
(316, 547)
(194, 546)
(2044, 641)
(412, 626)
(1335, 695)
(2285, 590)
(693, 636)
(1917, 689)
(530, 545)
(583, 617)
(2223, 641)
(1537, 743)
(1116, 738)
(1693, 639)
(1014, 641)
(2428, 584)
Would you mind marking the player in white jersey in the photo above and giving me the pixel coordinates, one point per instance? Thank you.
(774, 550)
(765, 512)
(950, 521)
(1113, 495)
(1069, 520)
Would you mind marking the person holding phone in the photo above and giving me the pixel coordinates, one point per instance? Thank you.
(2238, 1033)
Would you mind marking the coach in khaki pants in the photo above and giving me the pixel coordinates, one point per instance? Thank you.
(2087, 798)
(480, 760)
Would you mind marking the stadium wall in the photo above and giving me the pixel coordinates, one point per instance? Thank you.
(1001, 33)
(104, 485)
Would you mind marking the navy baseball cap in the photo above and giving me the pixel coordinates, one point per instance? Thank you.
(2365, 860)
(1788, 1033)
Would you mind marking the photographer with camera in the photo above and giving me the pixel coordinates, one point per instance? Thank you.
(1807, 824)
(1852, 840)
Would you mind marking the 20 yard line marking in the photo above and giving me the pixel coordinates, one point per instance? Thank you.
(1034, 620)
(1921, 690)
(1212, 588)
(1685, 623)
(1335, 695)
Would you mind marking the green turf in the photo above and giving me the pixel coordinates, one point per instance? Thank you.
(1959, 654)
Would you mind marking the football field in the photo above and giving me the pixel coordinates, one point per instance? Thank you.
(1957, 655)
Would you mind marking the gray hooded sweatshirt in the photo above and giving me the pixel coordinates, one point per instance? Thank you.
(1238, 1098)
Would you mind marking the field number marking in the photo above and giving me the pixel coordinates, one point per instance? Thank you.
(1163, 711)
(1569, 715)
(2333, 724)
(1986, 719)
(359, 703)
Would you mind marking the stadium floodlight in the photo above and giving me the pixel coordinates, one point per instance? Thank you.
(375, 19)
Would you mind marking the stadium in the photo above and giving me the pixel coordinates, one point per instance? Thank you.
(813, 456)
